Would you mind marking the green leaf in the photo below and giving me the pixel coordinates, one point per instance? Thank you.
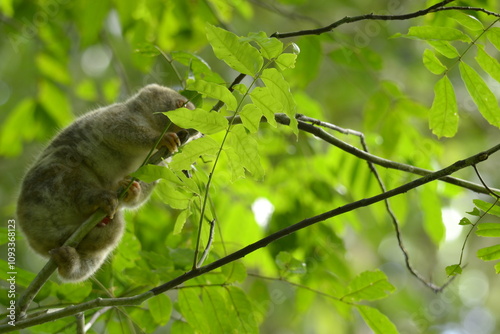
(192, 309)
(205, 146)
(286, 262)
(481, 94)
(207, 122)
(197, 65)
(443, 115)
(432, 63)
(246, 148)
(445, 48)
(269, 47)
(216, 91)
(180, 221)
(56, 103)
(489, 253)
(377, 321)
(286, 60)
(239, 55)
(468, 21)
(264, 100)
(251, 116)
(497, 268)
(174, 198)
(18, 125)
(73, 293)
(217, 311)
(432, 33)
(160, 308)
(488, 230)
(489, 64)
(465, 221)
(242, 308)
(369, 285)
(147, 50)
(490, 208)
(474, 212)
(453, 270)
(493, 35)
(53, 68)
(280, 90)
(431, 208)
(235, 272)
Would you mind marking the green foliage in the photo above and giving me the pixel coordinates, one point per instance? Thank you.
(356, 77)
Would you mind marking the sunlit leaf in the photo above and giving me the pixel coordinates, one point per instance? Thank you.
(286, 60)
(55, 102)
(18, 125)
(489, 253)
(191, 309)
(488, 230)
(239, 55)
(489, 64)
(262, 98)
(287, 263)
(453, 270)
(246, 148)
(280, 90)
(269, 47)
(205, 146)
(160, 307)
(216, 309)
(207, 122)
(468, 21)
(216, 91)
(474, 212)
(481, 94)
(52, 68)
(251, 116)
(376, 320)
(180, 221)
(493, 35)
(465, 221)
(243, 311)
(492, 209)
(433, 33)
(174, 198)
(369, 285)
(444, 48)
(432, 63)
(443, 115)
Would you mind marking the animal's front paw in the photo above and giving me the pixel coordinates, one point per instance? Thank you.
(109, 204)
(171, 141)
(133, 192)
(66, 258)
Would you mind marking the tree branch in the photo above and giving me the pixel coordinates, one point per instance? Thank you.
(349, 19)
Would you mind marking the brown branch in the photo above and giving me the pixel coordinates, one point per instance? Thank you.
(350, 19)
